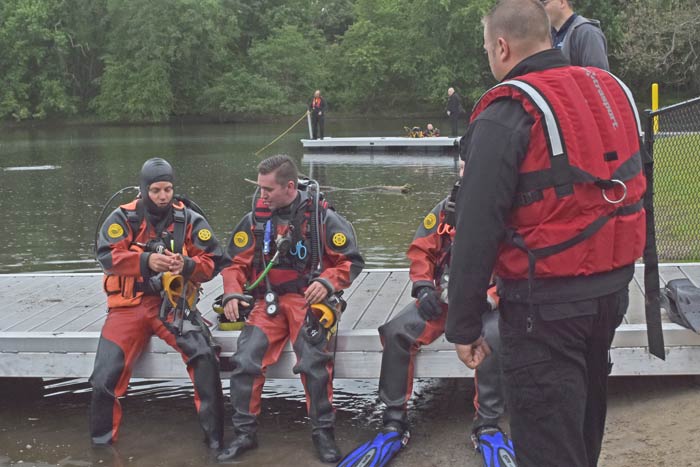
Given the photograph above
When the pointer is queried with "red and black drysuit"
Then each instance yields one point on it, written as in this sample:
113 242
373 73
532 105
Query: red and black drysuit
403 336
543 151
133 314
264 336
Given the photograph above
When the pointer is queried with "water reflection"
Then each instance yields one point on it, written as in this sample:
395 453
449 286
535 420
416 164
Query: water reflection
49 216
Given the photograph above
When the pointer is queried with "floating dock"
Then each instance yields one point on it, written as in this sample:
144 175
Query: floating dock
382 143
340 158
50 325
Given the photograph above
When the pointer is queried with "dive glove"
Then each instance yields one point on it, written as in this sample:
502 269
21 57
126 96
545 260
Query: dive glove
428 303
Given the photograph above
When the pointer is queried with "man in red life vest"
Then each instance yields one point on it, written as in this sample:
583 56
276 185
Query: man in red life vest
139 243
312 254
552 201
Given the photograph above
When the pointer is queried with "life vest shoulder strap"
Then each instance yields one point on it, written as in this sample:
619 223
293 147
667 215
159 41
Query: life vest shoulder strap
135 212
180 227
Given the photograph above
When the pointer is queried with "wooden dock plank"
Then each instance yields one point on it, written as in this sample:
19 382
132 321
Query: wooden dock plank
44 293
18 286
669 273
64 306
692 272
362 298
384 302
347 293
93 303
635 311
62 343
404 300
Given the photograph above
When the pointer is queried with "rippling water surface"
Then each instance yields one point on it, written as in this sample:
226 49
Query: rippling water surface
55 183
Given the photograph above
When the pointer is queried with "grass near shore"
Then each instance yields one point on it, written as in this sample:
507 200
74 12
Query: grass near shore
677 197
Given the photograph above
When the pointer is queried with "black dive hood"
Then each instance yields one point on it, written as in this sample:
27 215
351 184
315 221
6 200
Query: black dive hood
155 170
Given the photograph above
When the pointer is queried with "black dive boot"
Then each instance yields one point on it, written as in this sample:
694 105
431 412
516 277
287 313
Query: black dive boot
324 442
241 443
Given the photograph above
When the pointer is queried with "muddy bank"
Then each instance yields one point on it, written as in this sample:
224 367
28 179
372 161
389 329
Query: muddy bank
653 421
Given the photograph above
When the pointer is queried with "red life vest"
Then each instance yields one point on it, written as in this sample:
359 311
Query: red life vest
579 202
127 291
292 272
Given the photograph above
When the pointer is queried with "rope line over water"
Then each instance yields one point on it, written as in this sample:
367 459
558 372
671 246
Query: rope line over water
283 133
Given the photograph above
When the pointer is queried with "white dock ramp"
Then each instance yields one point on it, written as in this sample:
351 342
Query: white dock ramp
382 142
50 324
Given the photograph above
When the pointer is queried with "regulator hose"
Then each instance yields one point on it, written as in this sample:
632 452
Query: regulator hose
102 213
317 247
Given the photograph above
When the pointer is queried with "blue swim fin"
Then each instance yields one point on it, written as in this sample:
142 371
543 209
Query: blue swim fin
496 448
376 452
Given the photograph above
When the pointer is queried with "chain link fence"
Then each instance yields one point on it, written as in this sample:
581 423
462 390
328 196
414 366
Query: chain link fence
674 141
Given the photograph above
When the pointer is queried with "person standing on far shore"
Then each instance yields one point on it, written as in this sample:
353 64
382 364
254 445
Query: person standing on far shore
454 110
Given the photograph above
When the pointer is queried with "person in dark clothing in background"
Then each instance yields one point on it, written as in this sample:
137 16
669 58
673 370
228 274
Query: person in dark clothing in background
552 201
580 39
454 110
317 108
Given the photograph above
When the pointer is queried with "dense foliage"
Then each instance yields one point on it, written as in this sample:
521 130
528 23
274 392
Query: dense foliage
136 61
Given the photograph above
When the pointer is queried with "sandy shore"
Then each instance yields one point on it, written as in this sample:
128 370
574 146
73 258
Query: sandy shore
652 422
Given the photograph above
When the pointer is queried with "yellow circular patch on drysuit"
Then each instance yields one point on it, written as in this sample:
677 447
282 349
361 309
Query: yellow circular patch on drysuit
429 221
115 231
204 235
240 239
339 239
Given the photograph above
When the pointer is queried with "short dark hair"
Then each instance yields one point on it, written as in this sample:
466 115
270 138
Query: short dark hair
518 20
284 167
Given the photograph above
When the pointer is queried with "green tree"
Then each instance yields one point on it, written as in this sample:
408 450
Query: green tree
84 23
32 60
162 55
241 92
403 53
660 44
294 61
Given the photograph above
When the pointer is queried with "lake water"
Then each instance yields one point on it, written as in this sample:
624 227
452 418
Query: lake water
55 182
